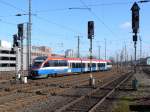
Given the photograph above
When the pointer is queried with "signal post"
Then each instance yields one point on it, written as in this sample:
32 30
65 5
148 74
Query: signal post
90 37
135 27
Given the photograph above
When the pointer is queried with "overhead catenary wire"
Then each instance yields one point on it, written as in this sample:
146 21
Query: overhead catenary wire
38 17
11 5
59 25
81 7
9 23
100 20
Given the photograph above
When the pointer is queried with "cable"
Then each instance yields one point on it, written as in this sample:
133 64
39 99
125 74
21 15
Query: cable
80 7
59 25
110 4
4 16
51 10
54 34
9 23
10 5
106 26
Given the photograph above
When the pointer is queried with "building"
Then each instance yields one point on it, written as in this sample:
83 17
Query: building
8 56
69 53
40 51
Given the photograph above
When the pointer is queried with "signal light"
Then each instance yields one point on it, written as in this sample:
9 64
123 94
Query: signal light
134 37
15 41
135 17
20 30
90 29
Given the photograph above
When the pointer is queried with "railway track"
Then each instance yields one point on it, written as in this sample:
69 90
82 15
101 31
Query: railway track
91 102
34 85
14 100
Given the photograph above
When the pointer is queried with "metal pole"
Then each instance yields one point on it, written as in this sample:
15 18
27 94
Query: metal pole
78 46
140 52
135 57
117 62
29 37
99 50
17 62
140 48
105 49
28 48
125 56
91 55
21 56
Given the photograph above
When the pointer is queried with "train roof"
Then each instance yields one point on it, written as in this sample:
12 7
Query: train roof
76 59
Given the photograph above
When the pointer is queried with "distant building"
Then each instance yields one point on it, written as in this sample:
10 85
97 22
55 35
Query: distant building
41 51
69 53
8 56
57 55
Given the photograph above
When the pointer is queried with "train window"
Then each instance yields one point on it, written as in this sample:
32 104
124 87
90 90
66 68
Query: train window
73 65
78 65
37 64
93 64
62 63
53 63
83 65
65 63
101 64
89 65
56 63
108 63
46 64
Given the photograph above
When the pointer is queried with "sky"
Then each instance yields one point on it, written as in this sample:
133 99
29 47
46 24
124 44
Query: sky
57 26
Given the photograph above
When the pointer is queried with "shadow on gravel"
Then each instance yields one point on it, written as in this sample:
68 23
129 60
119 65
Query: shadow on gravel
128 98
127 89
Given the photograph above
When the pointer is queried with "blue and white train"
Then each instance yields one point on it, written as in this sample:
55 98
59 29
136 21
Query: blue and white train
50 66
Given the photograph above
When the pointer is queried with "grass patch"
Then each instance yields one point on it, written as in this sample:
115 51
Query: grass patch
123 105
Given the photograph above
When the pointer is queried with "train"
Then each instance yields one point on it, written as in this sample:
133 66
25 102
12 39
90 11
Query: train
145 64
44 66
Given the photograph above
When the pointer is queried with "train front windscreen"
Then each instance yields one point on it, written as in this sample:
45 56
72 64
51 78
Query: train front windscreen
38 61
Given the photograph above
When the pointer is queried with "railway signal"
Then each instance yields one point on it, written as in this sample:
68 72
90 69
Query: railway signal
90 29
20 37
135 27
135 17
15 41
20 30
91 36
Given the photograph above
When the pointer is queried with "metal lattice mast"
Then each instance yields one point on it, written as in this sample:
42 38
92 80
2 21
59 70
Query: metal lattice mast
29 39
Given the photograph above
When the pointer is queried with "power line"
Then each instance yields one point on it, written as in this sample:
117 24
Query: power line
100 20
80 7
9 23
51 10
110 4
59 25
11 5
4 16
